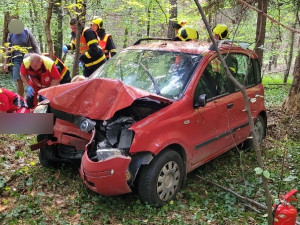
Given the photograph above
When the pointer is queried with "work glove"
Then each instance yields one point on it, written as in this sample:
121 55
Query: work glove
30 91
81 64
65 49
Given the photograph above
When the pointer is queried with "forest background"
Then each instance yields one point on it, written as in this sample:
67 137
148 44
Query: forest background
30 194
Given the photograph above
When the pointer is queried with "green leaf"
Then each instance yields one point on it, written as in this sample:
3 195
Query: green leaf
258 170
266 174
289 178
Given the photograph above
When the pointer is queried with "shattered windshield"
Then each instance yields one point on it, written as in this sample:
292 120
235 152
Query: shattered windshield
163 73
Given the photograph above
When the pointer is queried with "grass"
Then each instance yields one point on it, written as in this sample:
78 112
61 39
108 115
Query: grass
31 194
274 91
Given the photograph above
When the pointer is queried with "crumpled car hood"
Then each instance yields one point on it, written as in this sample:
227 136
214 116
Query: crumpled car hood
95 98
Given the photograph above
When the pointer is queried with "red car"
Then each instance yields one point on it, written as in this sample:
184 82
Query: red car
151 114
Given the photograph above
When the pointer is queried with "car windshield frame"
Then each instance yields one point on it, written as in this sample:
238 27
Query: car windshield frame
164 73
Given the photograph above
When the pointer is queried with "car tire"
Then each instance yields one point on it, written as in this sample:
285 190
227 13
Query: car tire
47 153
260 127
161 179
45 156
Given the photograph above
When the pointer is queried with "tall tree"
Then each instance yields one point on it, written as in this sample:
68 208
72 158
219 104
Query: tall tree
58 41
173 18
81 12
290 56
39 30
292 103
5 27
261 29
47 28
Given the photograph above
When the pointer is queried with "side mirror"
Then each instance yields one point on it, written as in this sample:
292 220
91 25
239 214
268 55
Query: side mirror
201 101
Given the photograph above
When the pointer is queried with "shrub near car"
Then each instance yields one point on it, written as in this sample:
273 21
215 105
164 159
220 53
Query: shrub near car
151 114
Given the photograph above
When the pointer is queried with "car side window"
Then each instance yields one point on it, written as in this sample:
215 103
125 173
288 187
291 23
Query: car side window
256 69
242 68
213 81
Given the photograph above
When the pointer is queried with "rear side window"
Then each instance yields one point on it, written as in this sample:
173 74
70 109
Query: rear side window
214 82
245 69
256 69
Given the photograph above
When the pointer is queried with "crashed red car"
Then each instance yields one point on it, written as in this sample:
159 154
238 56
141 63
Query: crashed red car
151 114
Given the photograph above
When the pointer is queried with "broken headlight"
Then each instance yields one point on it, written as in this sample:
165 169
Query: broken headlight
41 109
86 125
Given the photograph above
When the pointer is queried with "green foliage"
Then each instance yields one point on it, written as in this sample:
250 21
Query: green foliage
274 90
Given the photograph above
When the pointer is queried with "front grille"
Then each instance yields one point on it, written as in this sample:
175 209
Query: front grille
64 116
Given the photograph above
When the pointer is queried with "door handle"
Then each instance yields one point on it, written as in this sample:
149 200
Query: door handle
230 105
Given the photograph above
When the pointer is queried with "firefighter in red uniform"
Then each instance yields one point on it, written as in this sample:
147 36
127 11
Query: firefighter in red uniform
11 102
92 55
106 41
38 72
62 69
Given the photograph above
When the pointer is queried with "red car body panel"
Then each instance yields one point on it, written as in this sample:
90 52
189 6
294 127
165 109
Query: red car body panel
69 134
85 99
107 177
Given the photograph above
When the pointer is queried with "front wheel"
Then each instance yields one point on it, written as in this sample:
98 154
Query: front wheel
47 153
46 157
160 180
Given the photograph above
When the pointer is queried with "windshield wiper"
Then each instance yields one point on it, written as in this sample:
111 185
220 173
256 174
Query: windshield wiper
151 77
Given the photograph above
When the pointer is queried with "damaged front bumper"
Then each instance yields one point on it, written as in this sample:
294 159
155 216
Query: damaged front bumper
109 175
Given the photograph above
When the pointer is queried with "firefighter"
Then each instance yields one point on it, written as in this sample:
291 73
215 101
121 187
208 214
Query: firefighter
184 33
62 69
11 102
106 41
38 72
220 32
92 55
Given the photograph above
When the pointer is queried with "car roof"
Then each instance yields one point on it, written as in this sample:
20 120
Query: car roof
194 47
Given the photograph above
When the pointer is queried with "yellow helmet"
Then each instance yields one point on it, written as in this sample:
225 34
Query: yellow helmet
221 30
97 20
186 34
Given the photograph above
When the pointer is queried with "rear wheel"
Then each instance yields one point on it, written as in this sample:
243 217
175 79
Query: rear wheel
260 127
160 180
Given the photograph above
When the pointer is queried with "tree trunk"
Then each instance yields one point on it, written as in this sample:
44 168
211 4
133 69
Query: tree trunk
48 28
5 27
292 103
271 57
125 43
173 17
149 19
290 57
31 20
250 119
39 31
80 25
58 42
261 30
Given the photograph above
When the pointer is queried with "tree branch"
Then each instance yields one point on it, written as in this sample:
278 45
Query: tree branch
259 205
245 199
162 11
269 17
247 107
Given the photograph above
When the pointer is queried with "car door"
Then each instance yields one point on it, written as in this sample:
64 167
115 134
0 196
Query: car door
243 69
211 123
